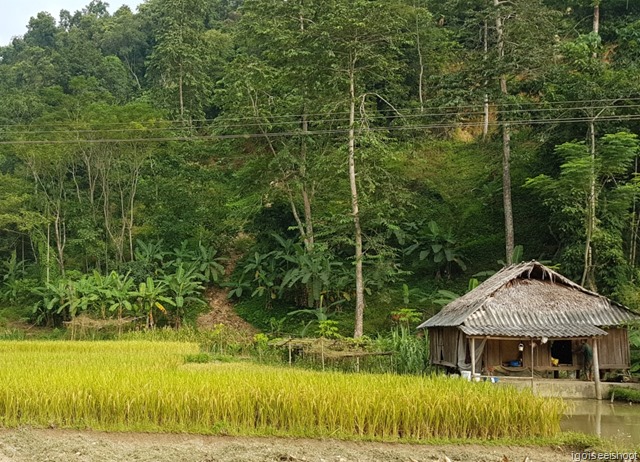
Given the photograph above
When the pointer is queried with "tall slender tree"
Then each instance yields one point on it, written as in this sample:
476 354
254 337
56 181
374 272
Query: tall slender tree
362 48
178 61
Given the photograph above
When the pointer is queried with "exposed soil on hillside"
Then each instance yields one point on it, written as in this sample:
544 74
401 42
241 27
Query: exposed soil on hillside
222 312
30 445
221 309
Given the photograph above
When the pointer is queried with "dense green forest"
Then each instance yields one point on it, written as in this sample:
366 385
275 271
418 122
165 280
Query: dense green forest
356 156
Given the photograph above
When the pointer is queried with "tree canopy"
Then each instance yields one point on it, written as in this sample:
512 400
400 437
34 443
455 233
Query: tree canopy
338 153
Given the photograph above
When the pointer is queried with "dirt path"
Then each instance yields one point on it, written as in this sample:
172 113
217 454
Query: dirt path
31 445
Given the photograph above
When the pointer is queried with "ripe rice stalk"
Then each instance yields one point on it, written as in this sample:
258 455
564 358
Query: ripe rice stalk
147 386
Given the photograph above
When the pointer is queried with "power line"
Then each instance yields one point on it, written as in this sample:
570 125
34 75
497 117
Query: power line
409 112
320 121
514 122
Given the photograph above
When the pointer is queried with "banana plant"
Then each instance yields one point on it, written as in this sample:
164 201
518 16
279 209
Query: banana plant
13 274
149 296
208 264
263 268
239 287
81 295
438 246
314 271
119 294
185 287
51 297
151 252
180 256
321 313
12 269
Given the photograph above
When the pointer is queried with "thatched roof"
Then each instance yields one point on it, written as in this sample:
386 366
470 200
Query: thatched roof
531 300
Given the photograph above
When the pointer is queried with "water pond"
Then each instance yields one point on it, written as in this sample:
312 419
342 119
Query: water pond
617 421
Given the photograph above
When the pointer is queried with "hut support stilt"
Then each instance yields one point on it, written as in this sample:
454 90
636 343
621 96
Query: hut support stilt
531 364
473 358
596 369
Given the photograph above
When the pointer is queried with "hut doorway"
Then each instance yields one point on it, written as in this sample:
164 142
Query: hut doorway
562 351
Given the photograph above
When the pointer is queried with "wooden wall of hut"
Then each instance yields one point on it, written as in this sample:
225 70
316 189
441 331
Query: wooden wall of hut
498 352
613 349
443 345
501 352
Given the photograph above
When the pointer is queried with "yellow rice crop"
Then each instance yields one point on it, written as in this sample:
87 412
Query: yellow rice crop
145 386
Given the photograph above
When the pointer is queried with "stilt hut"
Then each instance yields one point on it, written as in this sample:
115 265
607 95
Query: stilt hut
528 317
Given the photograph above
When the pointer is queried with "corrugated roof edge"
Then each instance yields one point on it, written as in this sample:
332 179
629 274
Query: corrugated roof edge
456 312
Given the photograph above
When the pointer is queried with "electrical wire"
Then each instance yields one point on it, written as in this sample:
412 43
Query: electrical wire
469 124
408 112
512 113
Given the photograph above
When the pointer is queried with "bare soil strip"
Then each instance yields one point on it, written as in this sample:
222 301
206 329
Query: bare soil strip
34 445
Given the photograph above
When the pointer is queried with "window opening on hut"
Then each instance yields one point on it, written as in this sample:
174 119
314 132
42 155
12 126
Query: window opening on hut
562 351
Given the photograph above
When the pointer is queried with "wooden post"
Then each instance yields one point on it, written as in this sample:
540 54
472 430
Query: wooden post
473 359
596 369
599 419
532 364
290 355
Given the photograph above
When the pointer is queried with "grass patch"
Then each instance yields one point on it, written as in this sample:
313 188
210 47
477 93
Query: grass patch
221 340
144 386
197 358
12 334
9 314
626 394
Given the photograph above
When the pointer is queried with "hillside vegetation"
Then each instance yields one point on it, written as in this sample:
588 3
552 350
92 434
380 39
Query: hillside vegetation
342 160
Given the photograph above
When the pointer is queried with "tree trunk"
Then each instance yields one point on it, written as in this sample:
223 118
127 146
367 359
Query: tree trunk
180 93
130 67
132 203
48 249
420 62
506 153
588 276
359 321
506 193
596 21
633 237
310 241
304 186
59 229
123 223
485 124
306 197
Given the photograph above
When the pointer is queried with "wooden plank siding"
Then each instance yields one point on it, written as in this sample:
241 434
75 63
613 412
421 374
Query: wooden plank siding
443 345
613 350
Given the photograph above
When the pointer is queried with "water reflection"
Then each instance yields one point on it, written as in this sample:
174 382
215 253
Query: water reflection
616 421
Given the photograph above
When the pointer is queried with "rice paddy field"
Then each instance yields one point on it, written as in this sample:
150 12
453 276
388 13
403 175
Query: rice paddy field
147 386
